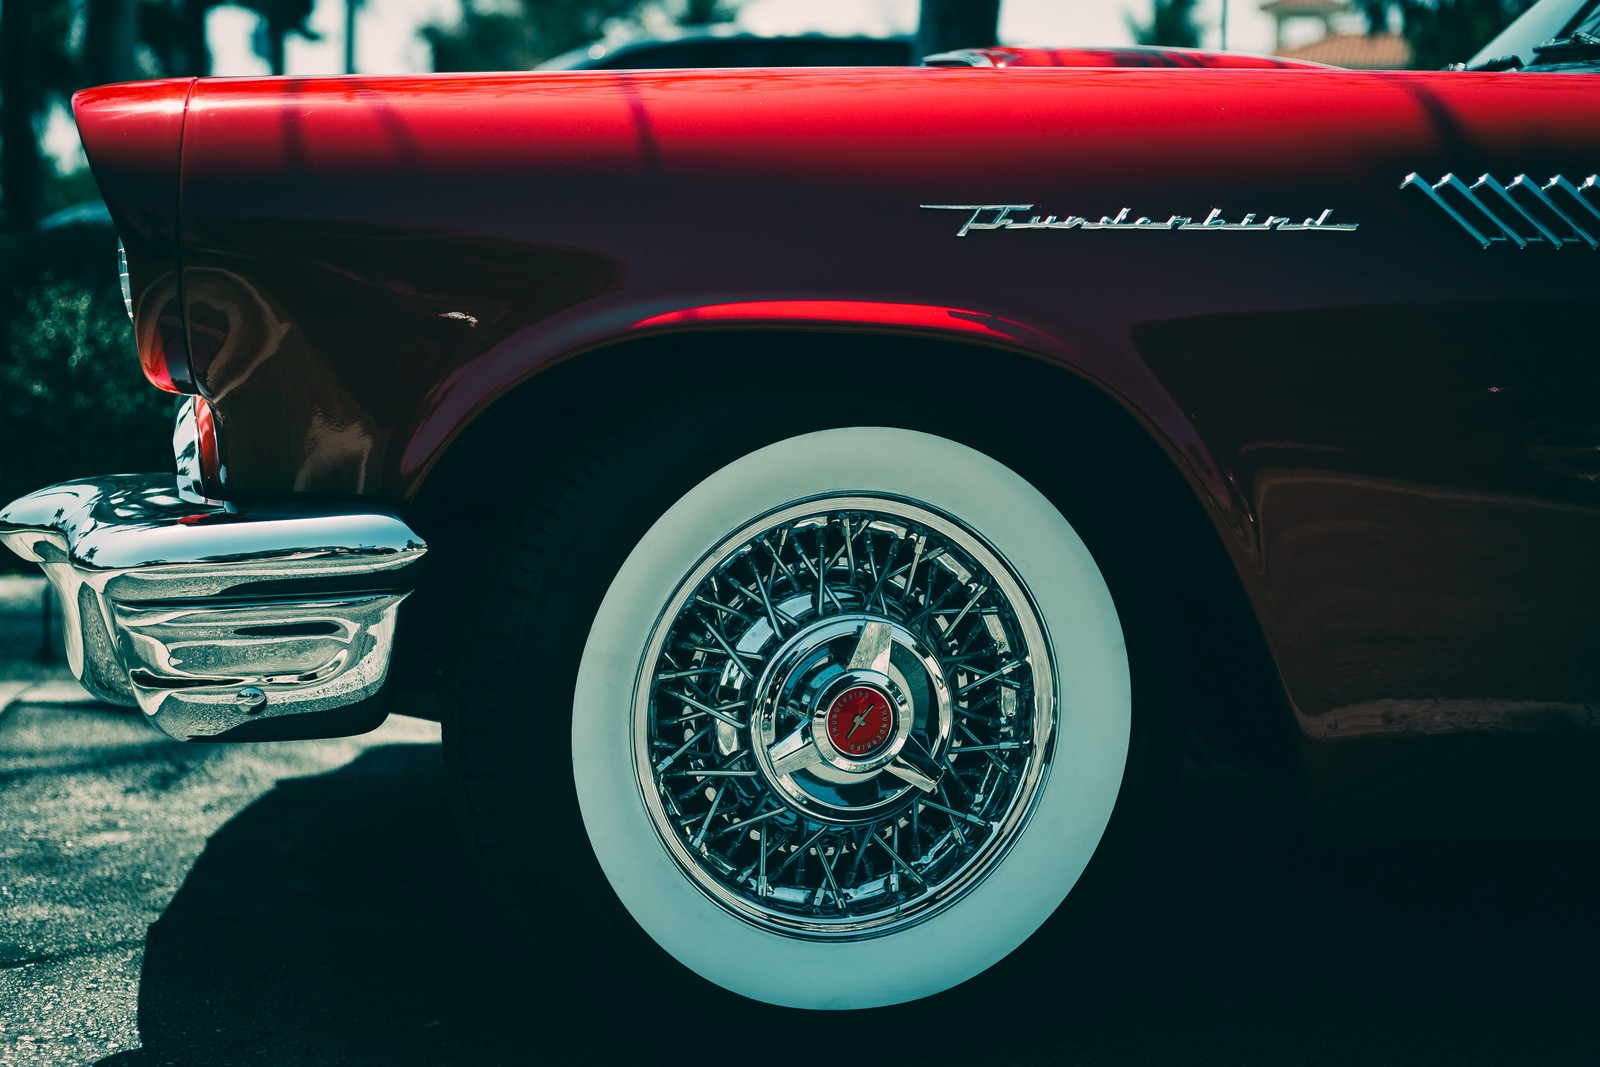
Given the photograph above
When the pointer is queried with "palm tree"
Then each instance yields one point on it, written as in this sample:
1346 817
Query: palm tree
1443 31
1171 25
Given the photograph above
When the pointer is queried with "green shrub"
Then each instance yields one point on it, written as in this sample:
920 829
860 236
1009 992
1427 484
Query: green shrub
73 401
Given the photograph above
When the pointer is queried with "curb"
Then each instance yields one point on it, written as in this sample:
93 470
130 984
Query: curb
51 690
9 691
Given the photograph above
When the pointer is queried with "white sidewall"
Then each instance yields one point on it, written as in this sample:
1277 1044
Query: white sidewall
1075 803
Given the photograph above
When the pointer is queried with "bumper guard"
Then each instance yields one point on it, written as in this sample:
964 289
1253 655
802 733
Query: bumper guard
221 625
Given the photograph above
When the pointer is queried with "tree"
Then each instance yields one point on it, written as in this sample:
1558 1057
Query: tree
1441 32
43 60
946 25
175 33
35 68
520 35
110 40
706 12
21 173
1171 25
280 18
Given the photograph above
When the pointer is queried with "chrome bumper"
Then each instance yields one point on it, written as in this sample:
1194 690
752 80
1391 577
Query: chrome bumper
264 624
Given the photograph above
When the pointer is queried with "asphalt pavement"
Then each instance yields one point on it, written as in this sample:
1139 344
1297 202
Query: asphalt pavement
309 903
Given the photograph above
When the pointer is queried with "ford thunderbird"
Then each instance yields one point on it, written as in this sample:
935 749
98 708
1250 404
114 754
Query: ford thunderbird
823 506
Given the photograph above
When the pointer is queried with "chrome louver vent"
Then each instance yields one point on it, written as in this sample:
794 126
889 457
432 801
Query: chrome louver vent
1521 212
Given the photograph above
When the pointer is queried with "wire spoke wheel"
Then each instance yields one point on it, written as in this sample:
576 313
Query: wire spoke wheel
851 718
847 716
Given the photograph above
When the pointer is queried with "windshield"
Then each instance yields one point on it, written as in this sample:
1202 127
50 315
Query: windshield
1546 21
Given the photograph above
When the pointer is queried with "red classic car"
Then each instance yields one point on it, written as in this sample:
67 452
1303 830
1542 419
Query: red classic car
846 493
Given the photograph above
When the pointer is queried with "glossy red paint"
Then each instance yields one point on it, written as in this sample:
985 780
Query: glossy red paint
1374 419
133 135
860 314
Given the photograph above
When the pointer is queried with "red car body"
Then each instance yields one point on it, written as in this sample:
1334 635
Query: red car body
1391 429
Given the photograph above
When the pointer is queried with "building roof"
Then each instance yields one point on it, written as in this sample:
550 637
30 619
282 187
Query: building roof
1358 51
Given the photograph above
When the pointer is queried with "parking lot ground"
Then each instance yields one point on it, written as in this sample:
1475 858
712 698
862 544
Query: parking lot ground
101 821
308 903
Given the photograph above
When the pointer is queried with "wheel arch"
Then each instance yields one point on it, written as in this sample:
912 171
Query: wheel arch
1233 702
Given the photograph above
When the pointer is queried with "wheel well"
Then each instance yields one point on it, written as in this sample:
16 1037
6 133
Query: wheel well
1064 434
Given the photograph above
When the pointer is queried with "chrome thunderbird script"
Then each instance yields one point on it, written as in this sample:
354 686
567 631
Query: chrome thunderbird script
1521 212
1000 217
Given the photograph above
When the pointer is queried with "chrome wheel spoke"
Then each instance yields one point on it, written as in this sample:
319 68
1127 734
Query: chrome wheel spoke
841 715
873 648
916 766
795 752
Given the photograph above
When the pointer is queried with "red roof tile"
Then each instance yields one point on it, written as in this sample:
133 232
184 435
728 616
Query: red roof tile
1358 51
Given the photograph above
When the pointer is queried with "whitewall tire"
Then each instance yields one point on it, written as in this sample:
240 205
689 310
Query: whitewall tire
855 815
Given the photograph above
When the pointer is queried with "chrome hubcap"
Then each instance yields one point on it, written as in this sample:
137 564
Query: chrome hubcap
835 712
844 717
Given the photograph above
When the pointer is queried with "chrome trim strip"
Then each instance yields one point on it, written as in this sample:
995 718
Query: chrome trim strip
212 619
961 57
1487 181
1576 192
1449 181
1529 189
122 279
1510 209
186 453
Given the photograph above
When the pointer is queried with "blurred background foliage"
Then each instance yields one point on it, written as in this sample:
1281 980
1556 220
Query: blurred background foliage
1441 32
72 399
1436 32
1172 25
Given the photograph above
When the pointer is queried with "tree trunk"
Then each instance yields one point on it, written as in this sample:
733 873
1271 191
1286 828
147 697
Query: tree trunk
110 35
351 9
21 166
949 24
275 47
192 37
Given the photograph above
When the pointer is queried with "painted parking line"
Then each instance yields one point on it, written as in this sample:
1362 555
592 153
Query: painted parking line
56 691
51 690
10 692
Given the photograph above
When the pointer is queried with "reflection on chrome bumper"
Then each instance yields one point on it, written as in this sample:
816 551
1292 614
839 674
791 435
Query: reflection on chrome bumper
231 625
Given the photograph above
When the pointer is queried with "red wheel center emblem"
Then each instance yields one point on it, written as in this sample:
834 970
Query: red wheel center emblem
860 721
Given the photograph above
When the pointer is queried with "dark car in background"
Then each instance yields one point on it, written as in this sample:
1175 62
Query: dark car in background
729 48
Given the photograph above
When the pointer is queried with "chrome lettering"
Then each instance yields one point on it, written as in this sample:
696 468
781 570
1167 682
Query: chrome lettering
1000 217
